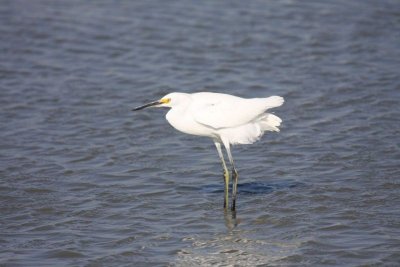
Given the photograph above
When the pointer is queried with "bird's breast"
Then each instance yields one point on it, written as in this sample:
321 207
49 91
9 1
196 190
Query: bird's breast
184 122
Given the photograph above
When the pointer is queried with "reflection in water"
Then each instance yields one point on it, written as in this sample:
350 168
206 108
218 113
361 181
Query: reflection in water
230 219
237 246
254 187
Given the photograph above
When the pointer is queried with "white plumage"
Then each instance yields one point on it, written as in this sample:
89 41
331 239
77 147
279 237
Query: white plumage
227 119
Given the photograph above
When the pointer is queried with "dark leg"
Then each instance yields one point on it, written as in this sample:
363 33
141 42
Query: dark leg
226 174
235 176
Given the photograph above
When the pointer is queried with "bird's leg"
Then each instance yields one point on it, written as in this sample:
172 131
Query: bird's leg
226 173
235 176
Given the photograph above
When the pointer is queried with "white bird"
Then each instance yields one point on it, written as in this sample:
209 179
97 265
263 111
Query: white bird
227 119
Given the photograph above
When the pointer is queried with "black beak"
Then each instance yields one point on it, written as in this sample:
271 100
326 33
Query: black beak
155 103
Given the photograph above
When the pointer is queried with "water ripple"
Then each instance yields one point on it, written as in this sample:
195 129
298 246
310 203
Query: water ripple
84 181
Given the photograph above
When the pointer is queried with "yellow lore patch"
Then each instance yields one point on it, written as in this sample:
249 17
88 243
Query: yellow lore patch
165 100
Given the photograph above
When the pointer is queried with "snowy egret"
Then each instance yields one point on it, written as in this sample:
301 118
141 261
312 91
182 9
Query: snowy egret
227 119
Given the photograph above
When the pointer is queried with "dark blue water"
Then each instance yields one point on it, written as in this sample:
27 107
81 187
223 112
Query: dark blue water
86 182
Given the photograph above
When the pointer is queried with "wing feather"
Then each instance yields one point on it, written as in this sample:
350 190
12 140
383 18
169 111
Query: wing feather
225 111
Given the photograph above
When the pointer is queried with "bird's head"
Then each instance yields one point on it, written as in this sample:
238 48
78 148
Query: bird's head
170 100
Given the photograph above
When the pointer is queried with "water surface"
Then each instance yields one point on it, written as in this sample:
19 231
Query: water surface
86 182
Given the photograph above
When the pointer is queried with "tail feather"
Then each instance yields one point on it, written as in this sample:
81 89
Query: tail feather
252 131
274 101
270 122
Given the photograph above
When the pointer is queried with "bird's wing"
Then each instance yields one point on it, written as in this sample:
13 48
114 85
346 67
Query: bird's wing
224 111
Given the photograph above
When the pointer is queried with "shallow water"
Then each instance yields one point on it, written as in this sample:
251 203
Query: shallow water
86 182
